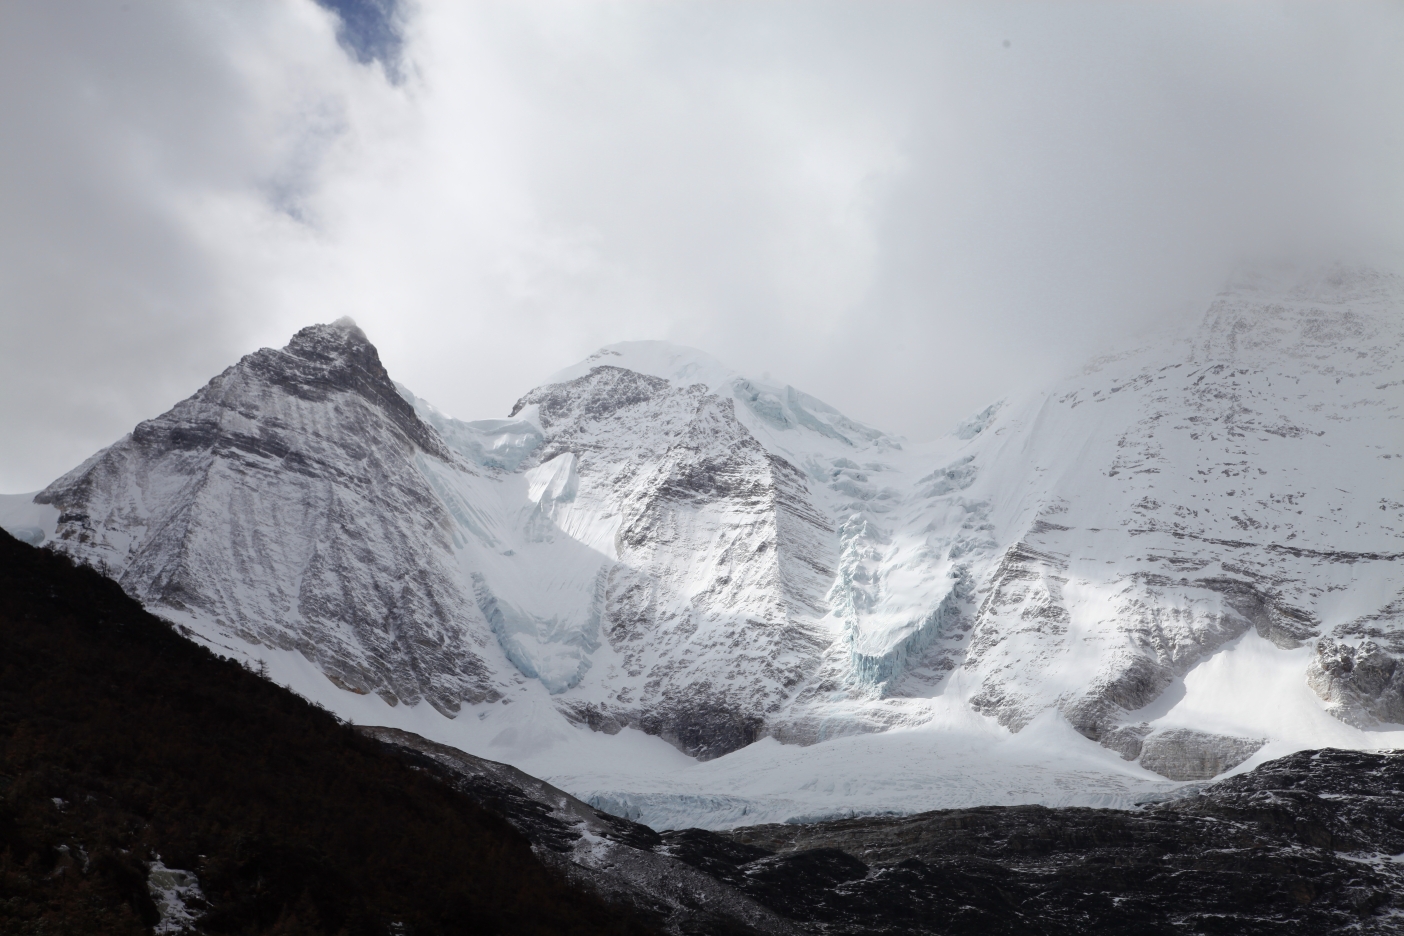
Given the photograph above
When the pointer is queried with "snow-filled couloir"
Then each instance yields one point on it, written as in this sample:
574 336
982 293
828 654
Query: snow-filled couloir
1176 563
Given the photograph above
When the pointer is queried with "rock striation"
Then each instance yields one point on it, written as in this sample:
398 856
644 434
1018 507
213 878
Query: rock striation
284 504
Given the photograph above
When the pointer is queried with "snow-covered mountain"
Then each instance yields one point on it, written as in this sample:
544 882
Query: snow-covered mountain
1188 555
1126 526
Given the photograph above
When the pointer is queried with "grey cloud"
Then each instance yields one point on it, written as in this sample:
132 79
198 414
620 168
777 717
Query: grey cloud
141 148
884 204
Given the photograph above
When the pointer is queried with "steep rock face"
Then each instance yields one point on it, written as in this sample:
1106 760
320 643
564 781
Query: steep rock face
711 602
282 502
1363 684
1183 754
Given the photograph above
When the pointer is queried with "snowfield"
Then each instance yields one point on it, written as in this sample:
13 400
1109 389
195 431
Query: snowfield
693 598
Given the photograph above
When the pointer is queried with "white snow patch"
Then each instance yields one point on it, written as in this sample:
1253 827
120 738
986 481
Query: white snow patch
1255 689
173 892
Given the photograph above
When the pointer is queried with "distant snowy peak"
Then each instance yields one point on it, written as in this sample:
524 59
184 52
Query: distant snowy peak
676 364
1141 516
767 408
1310 324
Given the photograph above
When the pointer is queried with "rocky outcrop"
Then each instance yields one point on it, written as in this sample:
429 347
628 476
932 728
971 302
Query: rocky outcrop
1302 845
1363 685
1184 754
621 861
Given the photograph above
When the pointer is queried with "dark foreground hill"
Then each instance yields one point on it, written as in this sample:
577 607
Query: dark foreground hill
125 748
146 784
1309 844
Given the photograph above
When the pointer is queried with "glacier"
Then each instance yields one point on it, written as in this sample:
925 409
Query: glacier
697 598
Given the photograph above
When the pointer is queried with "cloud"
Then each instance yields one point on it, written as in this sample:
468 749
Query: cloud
154 158
905 209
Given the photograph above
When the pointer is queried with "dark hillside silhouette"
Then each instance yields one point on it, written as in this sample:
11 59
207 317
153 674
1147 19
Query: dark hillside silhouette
122 743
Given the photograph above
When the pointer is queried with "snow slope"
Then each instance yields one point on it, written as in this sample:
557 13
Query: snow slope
697 598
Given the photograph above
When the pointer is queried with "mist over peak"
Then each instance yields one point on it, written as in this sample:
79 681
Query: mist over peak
909 212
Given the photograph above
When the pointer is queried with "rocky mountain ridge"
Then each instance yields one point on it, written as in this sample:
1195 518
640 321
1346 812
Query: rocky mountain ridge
653 542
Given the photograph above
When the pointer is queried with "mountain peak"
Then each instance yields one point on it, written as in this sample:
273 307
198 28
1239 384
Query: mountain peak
341 357
677 364
341 340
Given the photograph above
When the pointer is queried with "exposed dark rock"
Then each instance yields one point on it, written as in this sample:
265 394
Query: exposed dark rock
1135 684
621 861
1126 740
1307 844
718 855
1273 619
1300 845
702 728
1184 754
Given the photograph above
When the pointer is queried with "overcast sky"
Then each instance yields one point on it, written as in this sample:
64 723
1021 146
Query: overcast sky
908 210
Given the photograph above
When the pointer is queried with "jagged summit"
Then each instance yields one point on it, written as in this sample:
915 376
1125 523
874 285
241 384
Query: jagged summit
341 342
768 409
268 504
321 359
